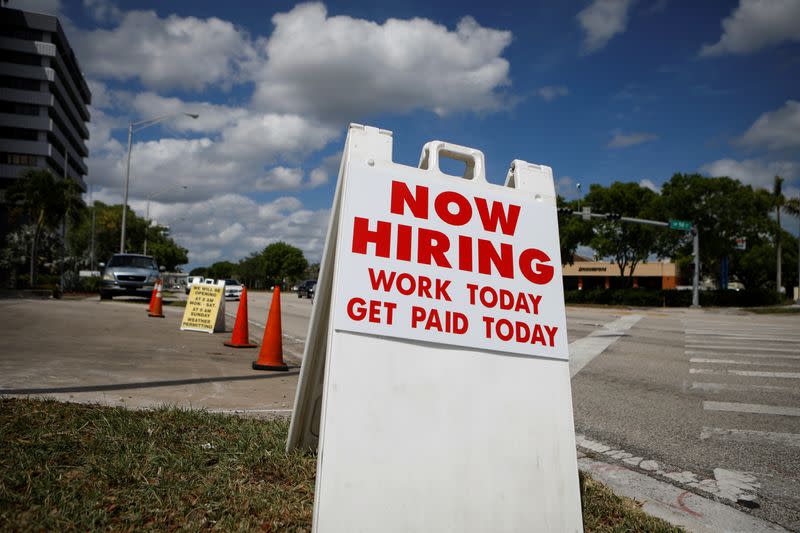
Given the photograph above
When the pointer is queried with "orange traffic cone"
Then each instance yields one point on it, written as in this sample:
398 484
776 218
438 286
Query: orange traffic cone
241 330
271 355
157 310
153 298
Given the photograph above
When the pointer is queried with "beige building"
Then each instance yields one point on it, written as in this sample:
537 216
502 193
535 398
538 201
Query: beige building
583 274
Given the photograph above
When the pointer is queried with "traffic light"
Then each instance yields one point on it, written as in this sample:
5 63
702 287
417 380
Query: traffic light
613 216
564 210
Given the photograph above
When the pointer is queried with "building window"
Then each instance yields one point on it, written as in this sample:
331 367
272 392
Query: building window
25 160
19 134
21 58
17 32
25 84
16 108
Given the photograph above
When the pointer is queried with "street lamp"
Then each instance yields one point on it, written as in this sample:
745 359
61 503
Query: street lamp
141 125
147 211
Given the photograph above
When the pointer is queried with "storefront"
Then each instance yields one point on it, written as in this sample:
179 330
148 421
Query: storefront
597 274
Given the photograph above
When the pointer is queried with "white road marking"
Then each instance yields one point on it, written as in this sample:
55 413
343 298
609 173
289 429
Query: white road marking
747 373
582 351
734 362
743 354
695 346
718 387
750 435
742 336
751 408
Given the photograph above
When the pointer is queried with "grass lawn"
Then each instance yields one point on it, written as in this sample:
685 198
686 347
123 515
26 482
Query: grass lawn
73 467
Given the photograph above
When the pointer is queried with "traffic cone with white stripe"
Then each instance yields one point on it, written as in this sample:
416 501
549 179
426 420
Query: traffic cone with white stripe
271 355
157 311
153 298
241 329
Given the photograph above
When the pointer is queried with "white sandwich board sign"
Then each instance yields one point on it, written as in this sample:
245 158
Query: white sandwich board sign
435 381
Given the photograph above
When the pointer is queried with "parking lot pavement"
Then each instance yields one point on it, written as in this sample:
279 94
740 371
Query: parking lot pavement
113 353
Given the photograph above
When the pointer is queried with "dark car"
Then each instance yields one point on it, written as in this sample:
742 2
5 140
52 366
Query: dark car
128 274
307 288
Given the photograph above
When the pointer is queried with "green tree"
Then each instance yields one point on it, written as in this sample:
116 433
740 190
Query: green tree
108 218
250 271
45 202
572 230
199 271
221 270
722 209
282 262
626 243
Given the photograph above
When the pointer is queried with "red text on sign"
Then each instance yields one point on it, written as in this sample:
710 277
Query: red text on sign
504 299
435 247
406 284
521 332
373 311
454 208
442 321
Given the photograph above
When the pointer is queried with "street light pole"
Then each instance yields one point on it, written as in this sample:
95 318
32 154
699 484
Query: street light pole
144 124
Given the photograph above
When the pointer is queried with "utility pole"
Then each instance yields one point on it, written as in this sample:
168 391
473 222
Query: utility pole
776 191
696 276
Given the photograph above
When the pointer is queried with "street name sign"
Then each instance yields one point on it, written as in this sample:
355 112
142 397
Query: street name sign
205 308
435 381
684 225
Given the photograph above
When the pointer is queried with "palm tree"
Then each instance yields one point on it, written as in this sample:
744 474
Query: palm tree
45 202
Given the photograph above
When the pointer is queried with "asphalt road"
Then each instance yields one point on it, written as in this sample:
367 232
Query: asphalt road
706 400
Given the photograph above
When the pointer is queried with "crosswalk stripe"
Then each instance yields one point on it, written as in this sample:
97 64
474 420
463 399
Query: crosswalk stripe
734 362
735 336
753 408
747 373
741 387
695 346
743 354
745 435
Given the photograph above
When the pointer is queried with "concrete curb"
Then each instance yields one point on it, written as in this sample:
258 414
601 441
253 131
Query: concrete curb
673 504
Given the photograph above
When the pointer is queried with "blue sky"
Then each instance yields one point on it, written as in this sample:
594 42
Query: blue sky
599 90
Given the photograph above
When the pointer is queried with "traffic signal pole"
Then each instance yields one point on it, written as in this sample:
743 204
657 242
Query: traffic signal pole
680 225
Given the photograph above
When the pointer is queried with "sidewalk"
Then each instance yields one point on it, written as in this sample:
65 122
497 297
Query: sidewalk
112 353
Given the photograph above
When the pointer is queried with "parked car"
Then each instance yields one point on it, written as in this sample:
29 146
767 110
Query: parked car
307 288
128 274
191 280
233 289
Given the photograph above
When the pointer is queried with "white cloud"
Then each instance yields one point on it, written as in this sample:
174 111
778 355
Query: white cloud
623 140
548 93
280 179
757 24
103 10
171 52
602 20
648 183
342 68
755 172
776 129
232 226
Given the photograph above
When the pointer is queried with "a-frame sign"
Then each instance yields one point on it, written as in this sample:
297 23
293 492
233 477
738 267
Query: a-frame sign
435 382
